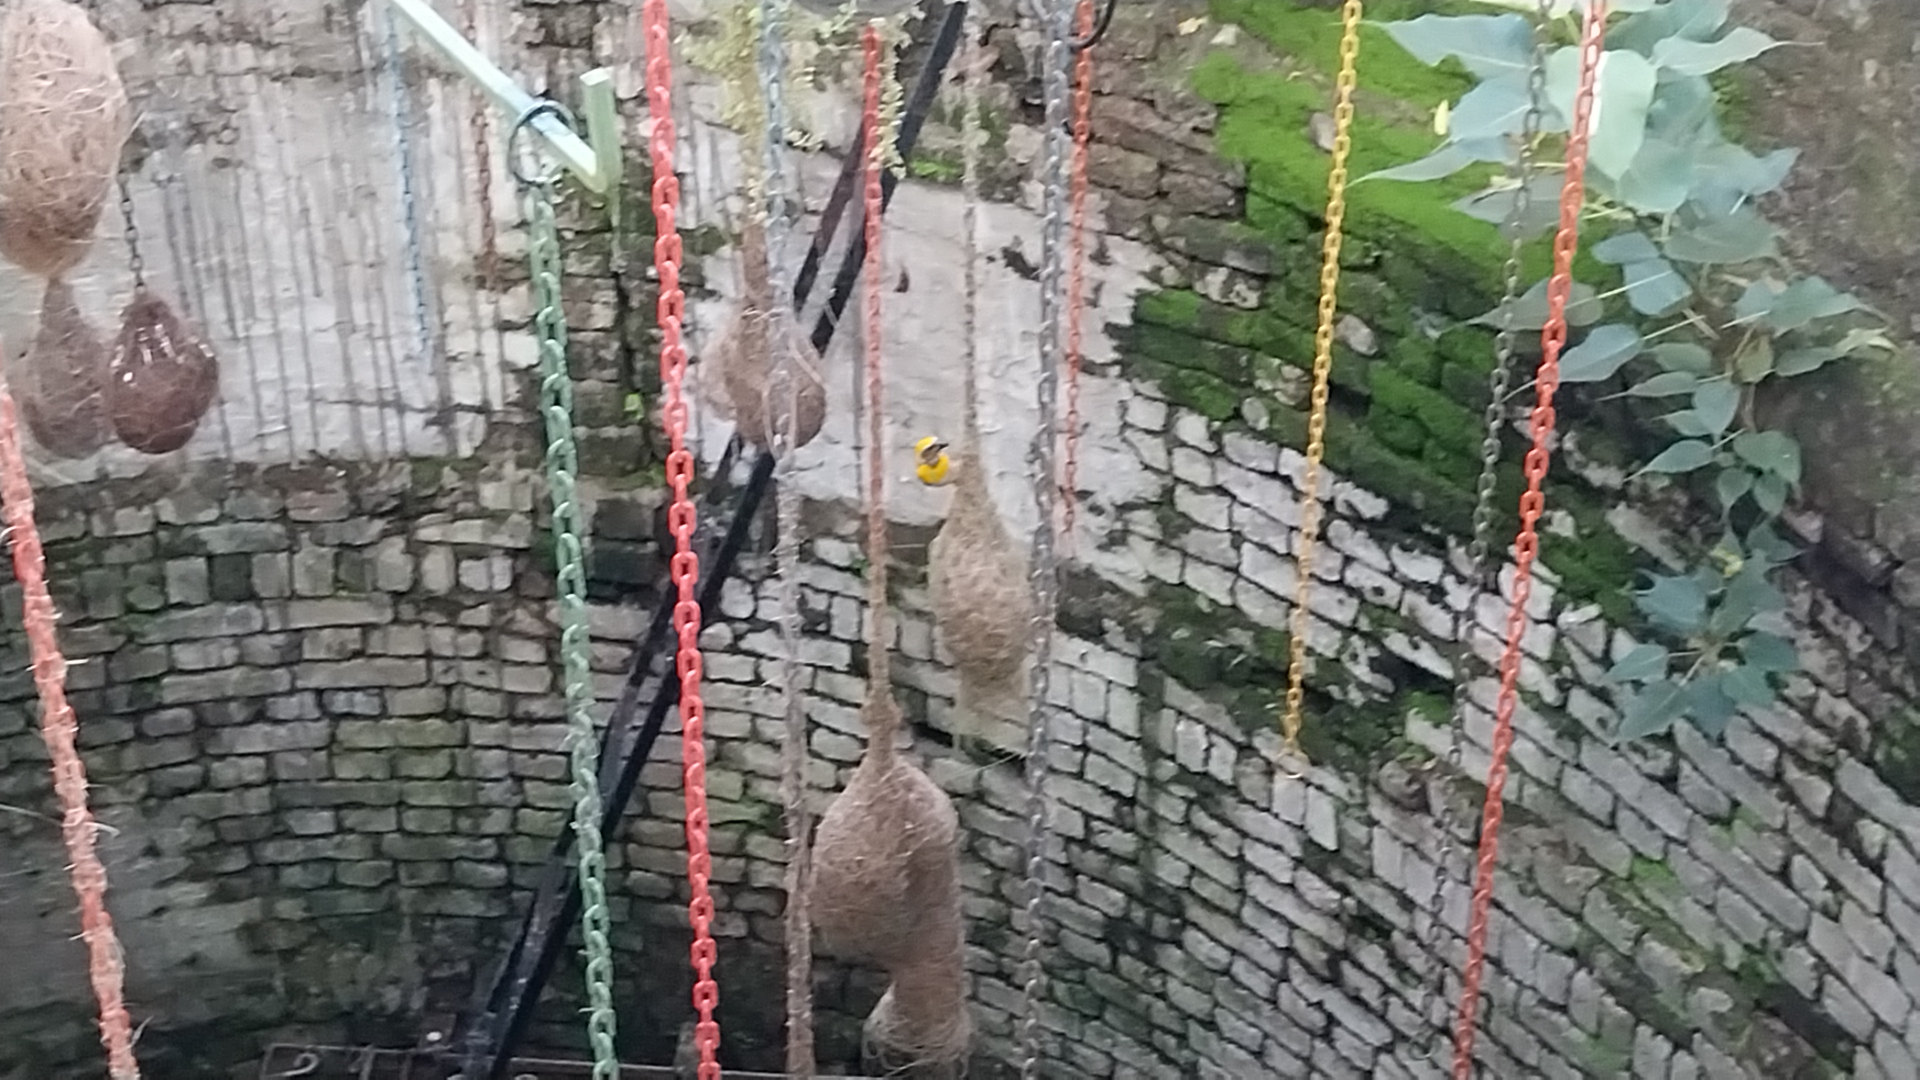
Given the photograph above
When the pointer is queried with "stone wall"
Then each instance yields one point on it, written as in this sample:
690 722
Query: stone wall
322 715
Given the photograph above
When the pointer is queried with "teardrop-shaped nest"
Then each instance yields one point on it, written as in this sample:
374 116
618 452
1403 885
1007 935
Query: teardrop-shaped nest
881 859
61 134
979 590
748 358
162 380
61 385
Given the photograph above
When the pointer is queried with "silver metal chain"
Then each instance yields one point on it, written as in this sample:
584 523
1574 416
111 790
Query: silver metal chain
776 170
972 76
1480 567
409 202
1041 462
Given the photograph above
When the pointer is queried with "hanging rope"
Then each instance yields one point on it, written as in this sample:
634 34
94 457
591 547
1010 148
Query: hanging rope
879 628
971 133
685 565
1526 545
1085 31
1042 466
576 647
1322 366
1480 567
793 751
59 730
480 126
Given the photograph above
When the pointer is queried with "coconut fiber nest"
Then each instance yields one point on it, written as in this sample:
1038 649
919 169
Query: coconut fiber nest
982 601
161 380
765 364
65 123
61 383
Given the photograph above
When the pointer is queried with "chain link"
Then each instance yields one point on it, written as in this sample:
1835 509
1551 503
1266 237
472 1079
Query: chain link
1322 368
684 566
423 329
772 70
1526 546
1042 465
480 129
562 462
1480 575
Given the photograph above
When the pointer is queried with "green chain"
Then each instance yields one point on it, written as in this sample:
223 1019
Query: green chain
556 403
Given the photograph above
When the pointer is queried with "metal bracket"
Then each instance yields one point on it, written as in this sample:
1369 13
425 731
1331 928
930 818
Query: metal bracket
595 161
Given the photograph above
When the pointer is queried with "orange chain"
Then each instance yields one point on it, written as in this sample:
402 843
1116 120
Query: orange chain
685 565
59 730
1077 259
1526 546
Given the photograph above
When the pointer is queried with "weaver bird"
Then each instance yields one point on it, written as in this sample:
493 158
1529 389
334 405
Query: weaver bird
931 461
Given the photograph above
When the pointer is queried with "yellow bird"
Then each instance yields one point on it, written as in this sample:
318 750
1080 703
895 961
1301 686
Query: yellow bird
933 464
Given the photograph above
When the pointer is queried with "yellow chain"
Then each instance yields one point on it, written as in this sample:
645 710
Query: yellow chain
1322 365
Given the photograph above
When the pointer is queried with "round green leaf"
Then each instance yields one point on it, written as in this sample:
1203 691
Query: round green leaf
1529 311
1807 300
1682 456
1651 711
1770 652
1770 494
1736 238
1626 247
1450 158
1801 361
1660 178
1666 384
1641 663
1688 423
1605 351
1683 356
1624 93
1679 603
1654 287
1771 452
1709 707
1716 401
1741 44
1488 45
1494 108
1732 485
1747 686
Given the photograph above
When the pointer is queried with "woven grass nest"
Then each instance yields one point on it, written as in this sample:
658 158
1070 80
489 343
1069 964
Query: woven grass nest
161 379
61 384
65 123
756 392
982 601
886 890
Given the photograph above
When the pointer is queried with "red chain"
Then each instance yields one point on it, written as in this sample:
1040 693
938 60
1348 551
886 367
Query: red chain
1077 259
874 198
59 730
685 565
1527 545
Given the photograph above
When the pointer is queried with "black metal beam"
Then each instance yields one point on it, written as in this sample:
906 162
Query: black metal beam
501 1018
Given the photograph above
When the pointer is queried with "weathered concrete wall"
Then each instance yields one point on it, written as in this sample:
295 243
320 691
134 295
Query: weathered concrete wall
321 704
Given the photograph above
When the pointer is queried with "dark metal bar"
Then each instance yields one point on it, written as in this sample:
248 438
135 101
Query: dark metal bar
500 1024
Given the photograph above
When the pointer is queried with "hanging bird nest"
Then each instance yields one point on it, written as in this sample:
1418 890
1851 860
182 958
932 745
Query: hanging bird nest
922 1026
61 383
758 395
750 356
65 123
879 849
161 380
981 598
886 890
